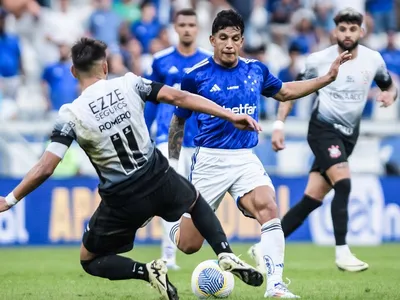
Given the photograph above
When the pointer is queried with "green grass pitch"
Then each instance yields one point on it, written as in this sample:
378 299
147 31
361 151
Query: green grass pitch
55 273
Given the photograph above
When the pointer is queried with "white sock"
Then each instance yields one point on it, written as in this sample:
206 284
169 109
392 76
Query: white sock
342 250
168 247
273 251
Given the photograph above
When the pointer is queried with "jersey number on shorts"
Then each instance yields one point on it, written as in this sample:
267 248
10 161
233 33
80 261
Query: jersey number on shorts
123 155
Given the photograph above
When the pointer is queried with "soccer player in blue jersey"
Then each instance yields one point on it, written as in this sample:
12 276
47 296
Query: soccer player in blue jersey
224 160
168 67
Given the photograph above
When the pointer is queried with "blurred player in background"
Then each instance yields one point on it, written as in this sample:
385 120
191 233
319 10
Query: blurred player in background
224 160
168 67
334 129
136 182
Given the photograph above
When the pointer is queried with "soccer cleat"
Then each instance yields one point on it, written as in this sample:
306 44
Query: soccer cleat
231 263
158 279
280 290
255 254
351 263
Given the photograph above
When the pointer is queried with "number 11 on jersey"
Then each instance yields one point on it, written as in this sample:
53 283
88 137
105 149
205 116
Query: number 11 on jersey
130 160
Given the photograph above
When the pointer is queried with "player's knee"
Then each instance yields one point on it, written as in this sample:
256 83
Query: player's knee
265 209
343 187
189 247
86 266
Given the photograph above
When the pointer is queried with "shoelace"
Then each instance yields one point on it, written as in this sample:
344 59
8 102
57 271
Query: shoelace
284 286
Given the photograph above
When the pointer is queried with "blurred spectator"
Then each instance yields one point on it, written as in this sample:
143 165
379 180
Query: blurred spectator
383 13
59 86
104 24
135 51
63 23
324 11
290 72
148 27
391 54
305 35
116 67
282 10
127 10
19 7
258 52
11 67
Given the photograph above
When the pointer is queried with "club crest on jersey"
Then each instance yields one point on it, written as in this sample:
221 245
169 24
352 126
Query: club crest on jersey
365 76
334 151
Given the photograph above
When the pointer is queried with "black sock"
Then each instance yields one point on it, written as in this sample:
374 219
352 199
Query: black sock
115 267
209 226
339 212
298 213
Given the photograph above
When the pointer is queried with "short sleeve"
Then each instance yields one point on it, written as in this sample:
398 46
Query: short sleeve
382 76
310 69
154 73
64 128
145 88
271 84
188 84
46 74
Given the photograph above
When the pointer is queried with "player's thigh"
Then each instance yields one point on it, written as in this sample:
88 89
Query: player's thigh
185 161
330 156
113 229
253 191
317 186
212 177
174 197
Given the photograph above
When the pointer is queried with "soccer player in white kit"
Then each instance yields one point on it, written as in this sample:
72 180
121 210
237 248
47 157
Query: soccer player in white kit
136 182
224 160
334 129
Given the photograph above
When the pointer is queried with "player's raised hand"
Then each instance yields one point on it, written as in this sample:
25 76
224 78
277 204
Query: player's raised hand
341 59
386 98
245 122
278 140
3 205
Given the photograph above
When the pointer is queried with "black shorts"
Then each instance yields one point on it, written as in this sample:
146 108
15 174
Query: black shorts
112 229
330 147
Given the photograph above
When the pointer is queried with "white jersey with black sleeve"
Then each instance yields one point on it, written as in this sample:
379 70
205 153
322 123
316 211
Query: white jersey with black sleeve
342 102
107 122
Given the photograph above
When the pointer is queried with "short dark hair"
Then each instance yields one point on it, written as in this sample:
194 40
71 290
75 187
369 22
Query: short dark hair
145 3
185 12
86 52
348 15
227 18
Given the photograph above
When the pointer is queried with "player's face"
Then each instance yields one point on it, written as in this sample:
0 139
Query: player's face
186 27
227 44
348 35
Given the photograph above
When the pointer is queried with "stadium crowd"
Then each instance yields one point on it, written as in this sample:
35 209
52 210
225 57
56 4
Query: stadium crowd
35 37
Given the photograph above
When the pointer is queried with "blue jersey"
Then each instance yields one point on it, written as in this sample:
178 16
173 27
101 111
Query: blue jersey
238 89
168 67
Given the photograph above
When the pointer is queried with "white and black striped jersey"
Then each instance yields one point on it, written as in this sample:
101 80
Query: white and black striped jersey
107 122
342 102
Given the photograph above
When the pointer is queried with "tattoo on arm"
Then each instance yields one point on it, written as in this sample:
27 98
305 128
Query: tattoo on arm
175 136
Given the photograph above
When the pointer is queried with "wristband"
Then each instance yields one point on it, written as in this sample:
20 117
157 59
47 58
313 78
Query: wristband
11 200
278 125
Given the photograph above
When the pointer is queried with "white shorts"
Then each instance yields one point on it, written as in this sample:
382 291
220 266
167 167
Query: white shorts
185 161
183 166
217 171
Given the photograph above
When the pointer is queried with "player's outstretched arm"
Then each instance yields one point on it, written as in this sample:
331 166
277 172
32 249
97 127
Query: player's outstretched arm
175 136
33 179
298 89
200 104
